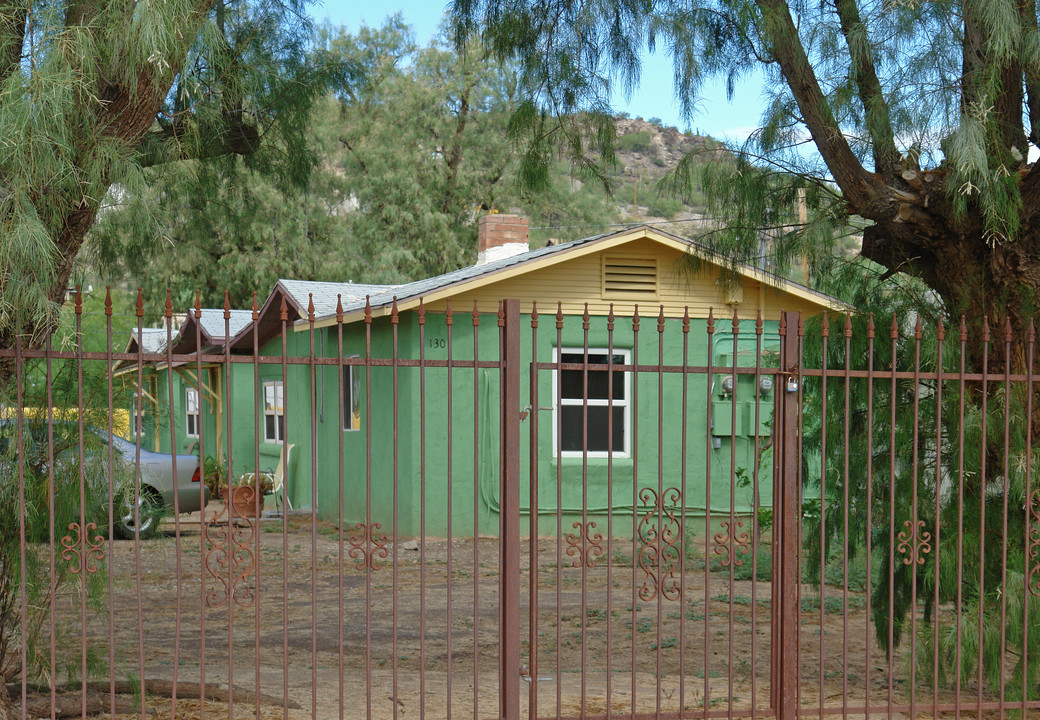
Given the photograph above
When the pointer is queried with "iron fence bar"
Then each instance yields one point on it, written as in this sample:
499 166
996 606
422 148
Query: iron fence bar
533 550
824 337
634 445
231 515
1030 350
395 321
963 337
23 603
755 505
254 316
283 318
476 506
799 485
660 495
914 509
314 400
683 490
49 381
610 503
940 336
203 523
559 509
894 337
784 653
168 317
733 536
845 520
982 506
584 534
421 321
1004 533
137 504
710 380
449 324
509 518
869 547
370 530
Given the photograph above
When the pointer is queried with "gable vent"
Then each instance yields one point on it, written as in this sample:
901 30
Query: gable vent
629 277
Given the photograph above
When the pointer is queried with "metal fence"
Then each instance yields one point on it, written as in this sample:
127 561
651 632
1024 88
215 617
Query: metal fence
515 513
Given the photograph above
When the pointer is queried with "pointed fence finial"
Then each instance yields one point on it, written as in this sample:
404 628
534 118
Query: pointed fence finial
501 314
825 326
870 326
168 307
254 309
108 301
449 318
140 304
782 327
198 305
894 330
917 328
394 315
686 320
422 312
79 300
368 309
585 318
940 331
985 328
227 306
848 325
534 314
963 330
711 320
758 322
283 311
339 309
610 318
1007 329
1031 332
660 321
476 313
559 316
310 308
635 318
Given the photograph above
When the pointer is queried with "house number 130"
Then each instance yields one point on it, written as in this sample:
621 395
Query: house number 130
437 342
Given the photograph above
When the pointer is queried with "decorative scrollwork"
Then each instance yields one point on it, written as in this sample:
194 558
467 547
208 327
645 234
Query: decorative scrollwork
584 544
229 559
367 546
730 542
660 553
1033 580
914 542
85 550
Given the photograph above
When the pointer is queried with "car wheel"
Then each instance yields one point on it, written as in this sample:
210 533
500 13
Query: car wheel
147 517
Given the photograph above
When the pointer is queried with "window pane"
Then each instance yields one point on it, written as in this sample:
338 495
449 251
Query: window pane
571 382
269 429
571 416
351 400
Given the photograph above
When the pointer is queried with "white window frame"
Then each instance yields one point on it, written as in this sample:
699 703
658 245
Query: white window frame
348 379
191 412
626 451
276 411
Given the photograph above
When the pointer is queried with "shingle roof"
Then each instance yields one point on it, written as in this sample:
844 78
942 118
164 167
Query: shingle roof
150 340
212 322
421 287
325 294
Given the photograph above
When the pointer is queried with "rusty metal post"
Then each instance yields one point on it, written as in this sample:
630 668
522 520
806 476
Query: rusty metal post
785 541
509 518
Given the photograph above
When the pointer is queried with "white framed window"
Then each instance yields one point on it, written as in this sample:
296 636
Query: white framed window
191 412
602 402
351 399
274 411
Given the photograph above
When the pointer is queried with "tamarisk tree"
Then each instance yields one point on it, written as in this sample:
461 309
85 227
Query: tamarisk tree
922 116
92 92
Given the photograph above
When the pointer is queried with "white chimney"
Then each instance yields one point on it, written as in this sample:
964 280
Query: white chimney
501 236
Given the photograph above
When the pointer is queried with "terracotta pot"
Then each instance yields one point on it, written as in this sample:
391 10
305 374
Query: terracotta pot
241 501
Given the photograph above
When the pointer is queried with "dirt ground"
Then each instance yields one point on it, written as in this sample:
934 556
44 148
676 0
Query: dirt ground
300 620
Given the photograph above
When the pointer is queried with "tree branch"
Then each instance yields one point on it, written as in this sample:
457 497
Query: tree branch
864 74
858 186
234 137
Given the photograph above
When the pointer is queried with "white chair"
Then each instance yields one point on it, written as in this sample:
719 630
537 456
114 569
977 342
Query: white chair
278 477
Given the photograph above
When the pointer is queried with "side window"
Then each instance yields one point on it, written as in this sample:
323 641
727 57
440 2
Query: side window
191 412
137 412
274 412
594 399
351 399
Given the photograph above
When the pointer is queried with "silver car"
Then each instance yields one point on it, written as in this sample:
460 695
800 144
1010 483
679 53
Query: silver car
158 486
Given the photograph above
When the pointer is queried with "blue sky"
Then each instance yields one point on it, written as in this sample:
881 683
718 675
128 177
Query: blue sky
716 116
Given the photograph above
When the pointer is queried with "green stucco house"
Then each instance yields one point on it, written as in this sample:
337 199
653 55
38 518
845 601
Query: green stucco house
365 430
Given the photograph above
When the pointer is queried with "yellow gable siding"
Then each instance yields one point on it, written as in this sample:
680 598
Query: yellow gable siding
579 280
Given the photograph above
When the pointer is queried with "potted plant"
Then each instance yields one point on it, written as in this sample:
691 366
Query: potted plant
246 495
